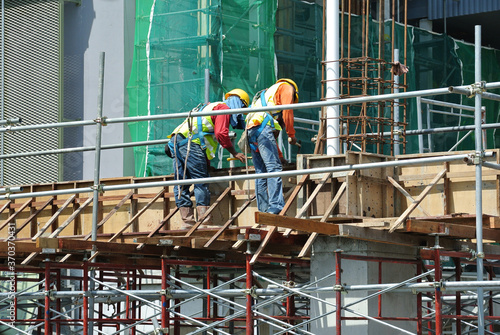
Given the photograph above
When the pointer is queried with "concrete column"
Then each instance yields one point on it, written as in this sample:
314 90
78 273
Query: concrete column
355 272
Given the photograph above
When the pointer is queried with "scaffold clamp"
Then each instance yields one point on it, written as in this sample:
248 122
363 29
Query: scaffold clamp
167 293
251 292
101 120
339 288
98 188
477 88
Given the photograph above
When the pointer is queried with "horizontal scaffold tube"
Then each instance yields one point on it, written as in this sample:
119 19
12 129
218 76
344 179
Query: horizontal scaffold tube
451 286
291 173
317 104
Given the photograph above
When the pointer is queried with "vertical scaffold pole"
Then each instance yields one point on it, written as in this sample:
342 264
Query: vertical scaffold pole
85 304
479 185
58 302
97 165
419 302
338 292
249 283
165 271
290 300
458 302
47 299
437 291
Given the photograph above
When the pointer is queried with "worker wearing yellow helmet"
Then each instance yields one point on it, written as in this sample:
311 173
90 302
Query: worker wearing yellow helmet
262 127
193 144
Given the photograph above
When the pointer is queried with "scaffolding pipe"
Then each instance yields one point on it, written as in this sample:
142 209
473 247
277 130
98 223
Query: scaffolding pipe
447 104
304 105
211 180
117 295
479 183
420 126
96 186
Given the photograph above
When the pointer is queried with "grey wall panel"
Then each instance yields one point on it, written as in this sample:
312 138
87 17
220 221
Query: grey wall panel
32 86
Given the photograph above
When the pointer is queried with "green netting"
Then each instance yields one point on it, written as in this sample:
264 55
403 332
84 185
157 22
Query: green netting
175 43
243 43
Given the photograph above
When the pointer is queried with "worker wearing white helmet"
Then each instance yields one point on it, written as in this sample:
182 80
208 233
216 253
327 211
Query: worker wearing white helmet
193 144
262 128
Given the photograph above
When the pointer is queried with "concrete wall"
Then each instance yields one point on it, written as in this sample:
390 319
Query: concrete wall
92 28
360 272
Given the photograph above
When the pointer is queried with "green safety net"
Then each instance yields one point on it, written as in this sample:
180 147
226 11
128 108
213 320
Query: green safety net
248 44
176 44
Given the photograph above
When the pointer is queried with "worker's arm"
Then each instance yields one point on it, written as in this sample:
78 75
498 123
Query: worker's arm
221 131
285 95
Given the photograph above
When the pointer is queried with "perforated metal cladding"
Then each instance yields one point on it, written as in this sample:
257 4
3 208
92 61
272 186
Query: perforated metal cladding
32 87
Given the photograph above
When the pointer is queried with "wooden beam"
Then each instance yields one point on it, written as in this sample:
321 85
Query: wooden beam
230 221
310 199
13 216
331 207
209 211
160 225
283 212
59 229
405 193
112 212
310 226
38 211
418 200
128 224
54 217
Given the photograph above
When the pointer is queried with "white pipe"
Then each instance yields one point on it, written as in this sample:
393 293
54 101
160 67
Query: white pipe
332 76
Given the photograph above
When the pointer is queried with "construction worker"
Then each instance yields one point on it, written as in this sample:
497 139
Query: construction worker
193 144
263 129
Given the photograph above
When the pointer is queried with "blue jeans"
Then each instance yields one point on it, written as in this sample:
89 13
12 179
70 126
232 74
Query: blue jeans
196 167
269 191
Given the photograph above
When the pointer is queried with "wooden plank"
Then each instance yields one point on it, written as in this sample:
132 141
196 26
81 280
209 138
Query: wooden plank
5 206
71 218
310 226
310 199
38 211
128 224
112 212
419 199
449 229
229 221
54 217
13 216
405 193
283 212
134 218
103 221
209 211
331 207
160 225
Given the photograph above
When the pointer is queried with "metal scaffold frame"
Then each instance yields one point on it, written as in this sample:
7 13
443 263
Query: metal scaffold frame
99 283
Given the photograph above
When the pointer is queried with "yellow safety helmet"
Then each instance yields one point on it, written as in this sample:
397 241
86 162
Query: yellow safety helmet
240 93
291 82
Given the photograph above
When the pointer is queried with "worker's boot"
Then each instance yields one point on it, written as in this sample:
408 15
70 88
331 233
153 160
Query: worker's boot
207 223
187 215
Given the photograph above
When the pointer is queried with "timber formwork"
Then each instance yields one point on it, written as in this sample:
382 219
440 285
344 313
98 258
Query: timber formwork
252 271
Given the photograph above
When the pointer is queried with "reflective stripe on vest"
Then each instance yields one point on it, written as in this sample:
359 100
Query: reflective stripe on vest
208 141
256 119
